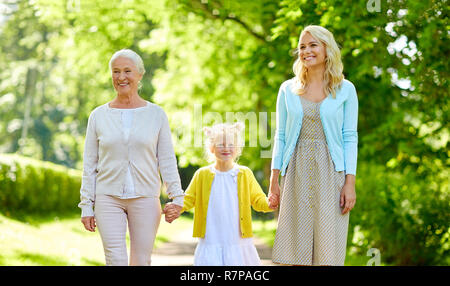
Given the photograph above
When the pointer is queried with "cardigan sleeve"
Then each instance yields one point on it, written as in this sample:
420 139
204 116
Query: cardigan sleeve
258 198
279 140
191 192
167 162
349 131
90 160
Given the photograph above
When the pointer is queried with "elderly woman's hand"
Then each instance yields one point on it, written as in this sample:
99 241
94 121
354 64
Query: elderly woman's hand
172 212
89 223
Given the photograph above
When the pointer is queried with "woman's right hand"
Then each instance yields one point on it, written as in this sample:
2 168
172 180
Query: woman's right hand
89 223
274 189
274 195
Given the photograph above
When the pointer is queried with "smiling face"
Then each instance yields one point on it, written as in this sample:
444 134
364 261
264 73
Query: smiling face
311 51
224 148
125 76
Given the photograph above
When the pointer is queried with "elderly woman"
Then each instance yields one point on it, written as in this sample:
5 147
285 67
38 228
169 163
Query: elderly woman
128 144
315 150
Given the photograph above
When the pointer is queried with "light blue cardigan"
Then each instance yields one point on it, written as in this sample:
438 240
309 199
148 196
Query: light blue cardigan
339 118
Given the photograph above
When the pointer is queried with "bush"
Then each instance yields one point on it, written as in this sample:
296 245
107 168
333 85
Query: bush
405 213
33 186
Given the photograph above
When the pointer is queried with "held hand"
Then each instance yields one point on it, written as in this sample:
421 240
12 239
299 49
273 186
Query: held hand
274 195
171 212
348 198
273 201
89 223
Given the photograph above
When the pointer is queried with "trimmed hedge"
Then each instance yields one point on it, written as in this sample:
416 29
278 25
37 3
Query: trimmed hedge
33 186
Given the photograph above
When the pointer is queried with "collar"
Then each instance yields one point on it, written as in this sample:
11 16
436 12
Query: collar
118 110
236 171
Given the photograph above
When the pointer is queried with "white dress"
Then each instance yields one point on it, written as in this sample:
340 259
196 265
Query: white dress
223 244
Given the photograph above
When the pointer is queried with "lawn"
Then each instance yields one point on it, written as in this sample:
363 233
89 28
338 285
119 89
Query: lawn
60 241
54 241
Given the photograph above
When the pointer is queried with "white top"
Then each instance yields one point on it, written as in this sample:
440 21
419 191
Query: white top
148 154
222 244
127 120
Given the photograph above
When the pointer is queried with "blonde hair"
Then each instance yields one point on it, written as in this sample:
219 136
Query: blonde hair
223 129
333 75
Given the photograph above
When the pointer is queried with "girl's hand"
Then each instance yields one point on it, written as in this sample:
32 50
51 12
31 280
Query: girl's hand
348 197
172 212
89 223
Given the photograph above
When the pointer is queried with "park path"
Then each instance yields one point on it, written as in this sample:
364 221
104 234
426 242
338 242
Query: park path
180 251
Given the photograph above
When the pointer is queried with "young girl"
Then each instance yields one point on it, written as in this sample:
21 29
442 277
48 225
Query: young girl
222 195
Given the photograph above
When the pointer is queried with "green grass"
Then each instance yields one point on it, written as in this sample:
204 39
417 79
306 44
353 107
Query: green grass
44 241
60 241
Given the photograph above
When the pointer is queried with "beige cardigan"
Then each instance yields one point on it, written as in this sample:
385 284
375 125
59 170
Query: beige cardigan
149 151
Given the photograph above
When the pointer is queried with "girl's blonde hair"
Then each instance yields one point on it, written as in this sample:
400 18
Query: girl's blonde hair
333 75
224 129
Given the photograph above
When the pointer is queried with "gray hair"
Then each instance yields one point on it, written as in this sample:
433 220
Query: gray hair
129 54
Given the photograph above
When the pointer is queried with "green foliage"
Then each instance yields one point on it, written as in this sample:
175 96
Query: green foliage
33 186
402 88
408 223
54 67
232 56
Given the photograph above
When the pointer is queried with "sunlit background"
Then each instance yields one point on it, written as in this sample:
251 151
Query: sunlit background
224 56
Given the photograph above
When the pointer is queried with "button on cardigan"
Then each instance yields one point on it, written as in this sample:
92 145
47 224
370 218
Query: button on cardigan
249 192
339 118
148 151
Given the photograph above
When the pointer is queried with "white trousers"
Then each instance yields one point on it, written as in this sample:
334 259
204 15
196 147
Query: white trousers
143 216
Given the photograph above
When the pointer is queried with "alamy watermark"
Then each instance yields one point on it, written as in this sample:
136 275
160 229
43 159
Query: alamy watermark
259 128
73 6
373 6
376 257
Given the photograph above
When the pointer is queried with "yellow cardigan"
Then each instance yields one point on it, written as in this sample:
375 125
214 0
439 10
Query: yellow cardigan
249 194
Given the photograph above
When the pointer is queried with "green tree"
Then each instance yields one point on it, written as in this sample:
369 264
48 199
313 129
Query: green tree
55 70
211 57
232 56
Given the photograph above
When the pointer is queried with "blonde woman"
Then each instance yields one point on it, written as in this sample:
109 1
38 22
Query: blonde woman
128 145
315 152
